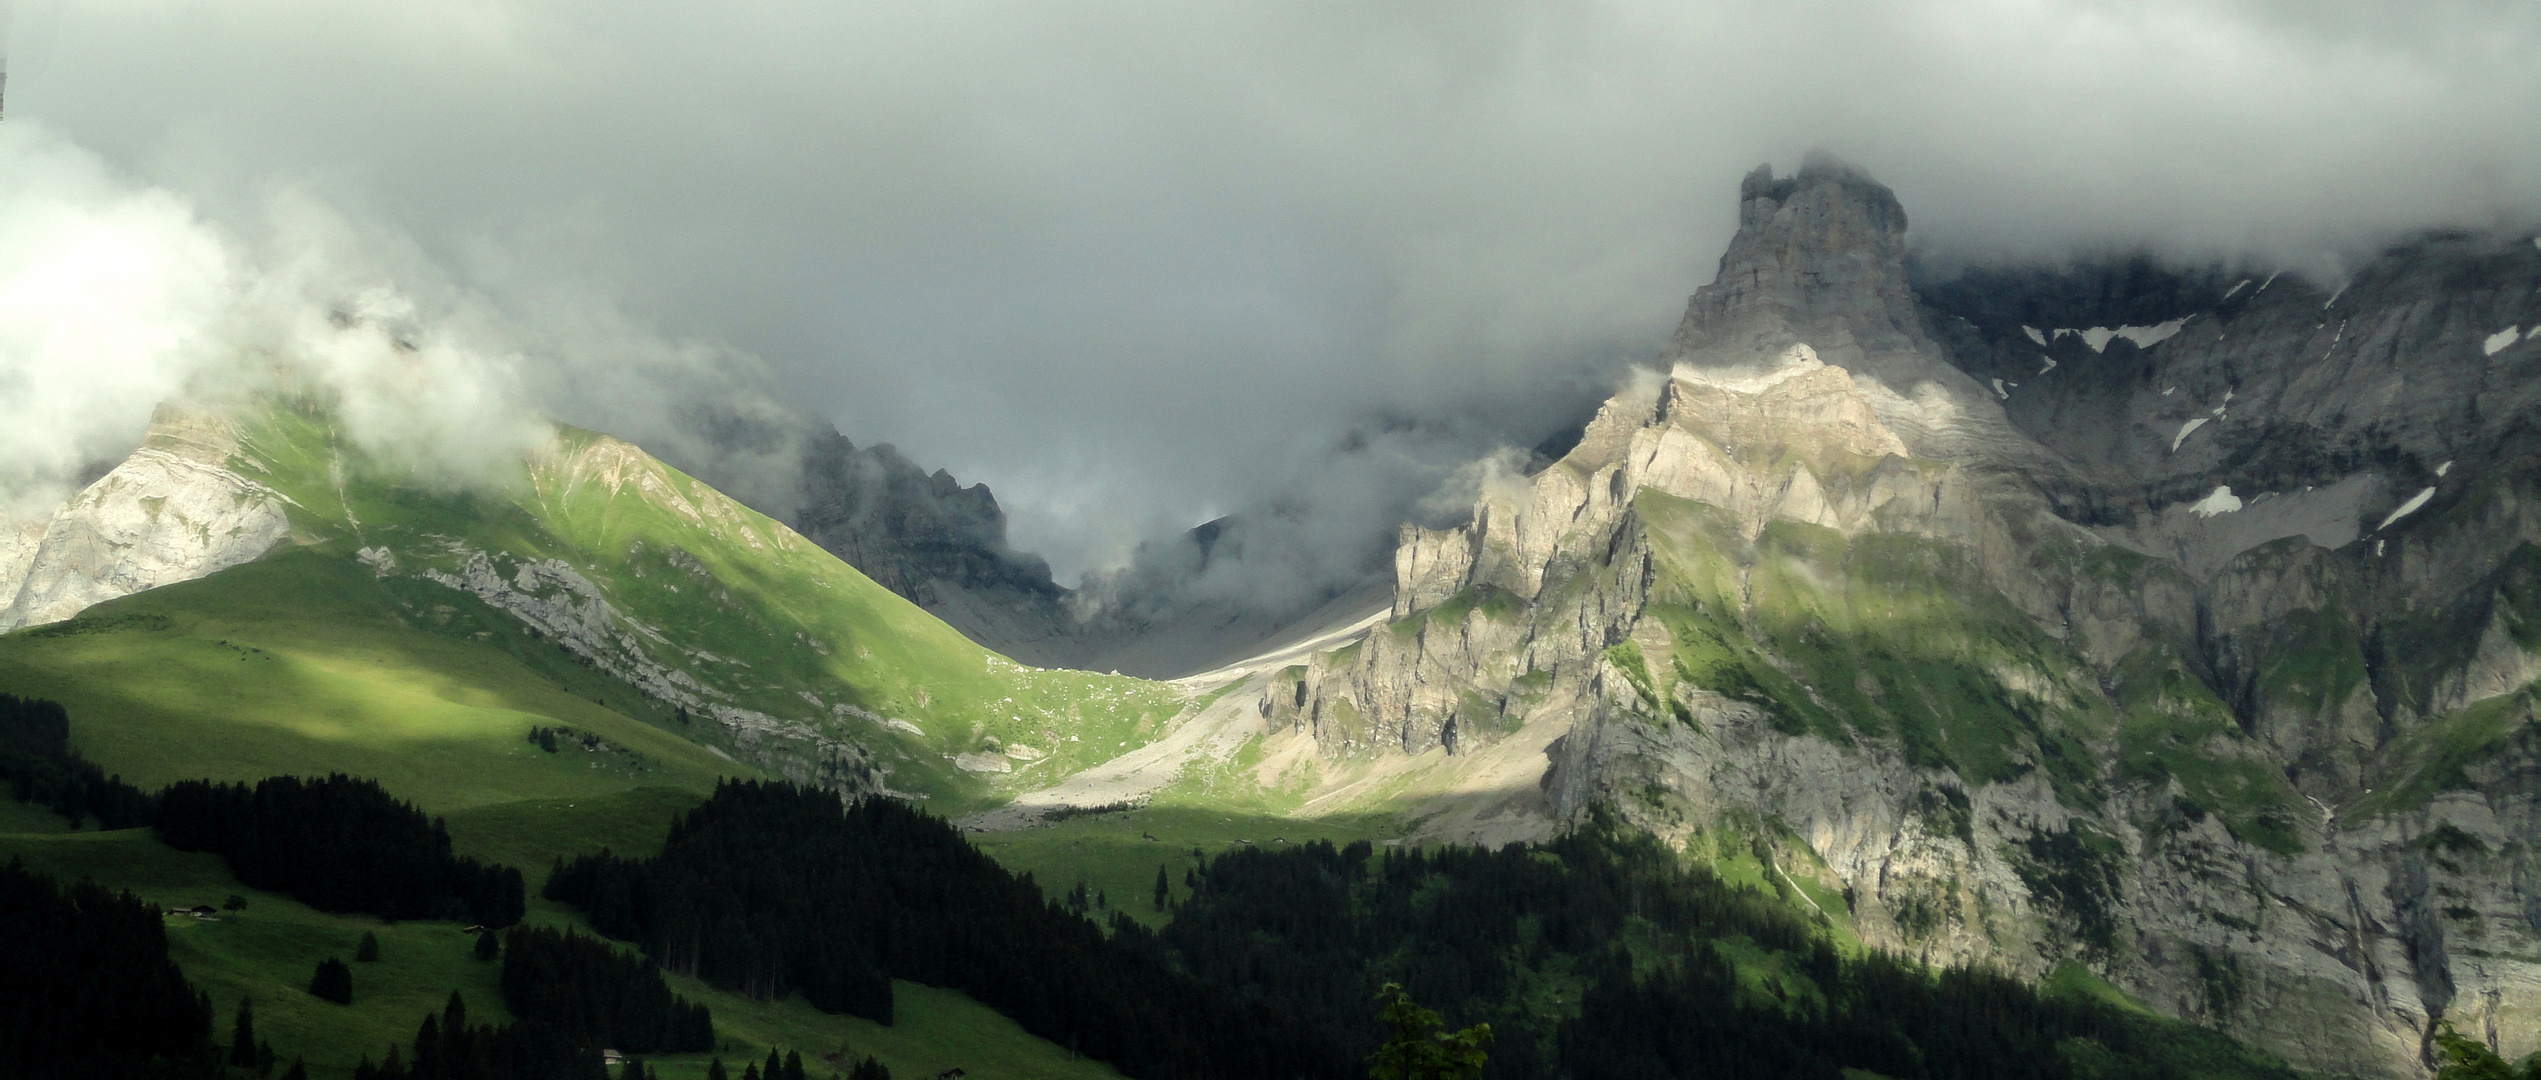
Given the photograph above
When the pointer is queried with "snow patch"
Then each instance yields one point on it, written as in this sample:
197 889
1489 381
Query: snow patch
2219 501
2169 390
2050 363
2236 287
2446 467
2504 339
2406 508
2000 392
2144 337
2184 429
2034 335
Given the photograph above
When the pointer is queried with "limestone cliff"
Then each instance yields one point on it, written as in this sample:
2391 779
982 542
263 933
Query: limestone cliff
173 511
2199 650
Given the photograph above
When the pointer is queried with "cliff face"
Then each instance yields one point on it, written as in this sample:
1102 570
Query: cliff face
2199 650
173 511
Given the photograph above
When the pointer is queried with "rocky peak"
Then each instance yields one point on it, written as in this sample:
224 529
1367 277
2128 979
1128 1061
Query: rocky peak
1819 257
1819 263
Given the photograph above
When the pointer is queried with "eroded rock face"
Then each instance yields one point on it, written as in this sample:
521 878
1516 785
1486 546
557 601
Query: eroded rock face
174 511
2181 626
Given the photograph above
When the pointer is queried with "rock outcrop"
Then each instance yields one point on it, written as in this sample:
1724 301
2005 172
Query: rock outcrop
2178 626
173 511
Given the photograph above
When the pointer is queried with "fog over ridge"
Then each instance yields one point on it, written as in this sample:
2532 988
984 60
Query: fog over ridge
1139 265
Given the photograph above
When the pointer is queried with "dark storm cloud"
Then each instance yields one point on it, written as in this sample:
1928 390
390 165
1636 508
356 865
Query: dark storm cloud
1136 265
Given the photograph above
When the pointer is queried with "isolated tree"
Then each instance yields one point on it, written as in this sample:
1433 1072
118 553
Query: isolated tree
869 1069
234 903
368 950
1164 889
299 1070
487 946
1417 1048
333 982
714 1070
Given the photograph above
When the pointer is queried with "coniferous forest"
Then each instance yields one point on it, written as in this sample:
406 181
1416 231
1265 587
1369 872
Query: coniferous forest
593 991
40 767
339 844
1599 955
92 992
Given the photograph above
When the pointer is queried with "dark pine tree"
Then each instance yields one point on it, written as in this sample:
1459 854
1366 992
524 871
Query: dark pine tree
92 991
242 1036
368 950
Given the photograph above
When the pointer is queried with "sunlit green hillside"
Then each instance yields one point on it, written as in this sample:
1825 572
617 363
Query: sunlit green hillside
418 632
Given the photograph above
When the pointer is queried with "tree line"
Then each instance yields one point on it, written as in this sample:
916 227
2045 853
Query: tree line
92 990
40 767
772 888
335 843
590 990
339 844
1603 955
447 1047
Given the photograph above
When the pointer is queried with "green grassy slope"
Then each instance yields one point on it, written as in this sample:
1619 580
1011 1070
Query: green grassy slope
415 633
302 664
267 952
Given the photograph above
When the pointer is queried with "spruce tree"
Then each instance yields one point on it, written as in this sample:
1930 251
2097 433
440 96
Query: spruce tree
487 947
368 950
1164 889
242 1038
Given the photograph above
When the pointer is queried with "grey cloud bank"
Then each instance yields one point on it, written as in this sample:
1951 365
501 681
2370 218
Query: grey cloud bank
1137 265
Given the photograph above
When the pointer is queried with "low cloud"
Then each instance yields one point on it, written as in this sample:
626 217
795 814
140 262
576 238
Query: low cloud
1138 265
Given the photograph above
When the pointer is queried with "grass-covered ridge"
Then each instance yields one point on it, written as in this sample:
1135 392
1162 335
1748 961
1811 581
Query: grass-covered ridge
417 631
1881 636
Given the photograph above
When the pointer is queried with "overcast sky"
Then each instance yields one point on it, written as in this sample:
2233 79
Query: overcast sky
1136 264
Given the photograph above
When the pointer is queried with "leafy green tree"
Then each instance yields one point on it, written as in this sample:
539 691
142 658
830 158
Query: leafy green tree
1418 1049
2461 1057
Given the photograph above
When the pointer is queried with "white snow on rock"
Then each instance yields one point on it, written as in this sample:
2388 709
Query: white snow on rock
2184 429
2236 287
2034 335
2000 392
2504 339
2446 467
2049 362
2406 508
2144 337
2219 501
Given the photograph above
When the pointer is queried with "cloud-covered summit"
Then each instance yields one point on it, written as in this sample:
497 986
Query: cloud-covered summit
1137 265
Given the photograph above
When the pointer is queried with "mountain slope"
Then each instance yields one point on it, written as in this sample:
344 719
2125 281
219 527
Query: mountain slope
1984 659
593 568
